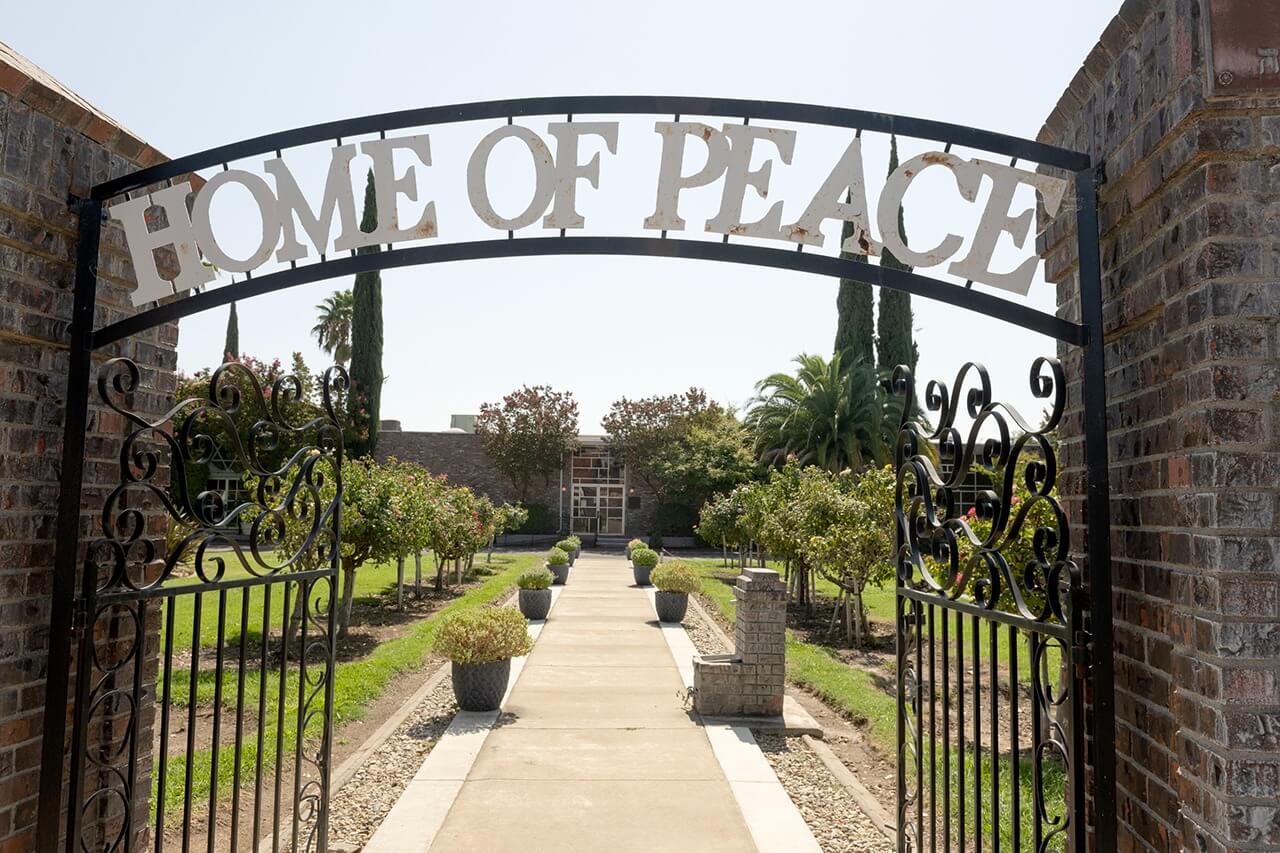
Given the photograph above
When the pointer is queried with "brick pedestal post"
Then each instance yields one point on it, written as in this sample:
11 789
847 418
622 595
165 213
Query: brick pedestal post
752 680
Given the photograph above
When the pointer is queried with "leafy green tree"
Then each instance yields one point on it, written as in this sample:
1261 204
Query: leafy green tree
456 531
231 345
895 344
639 430
832 414
528 434
332 330
723 521
366 339
713 456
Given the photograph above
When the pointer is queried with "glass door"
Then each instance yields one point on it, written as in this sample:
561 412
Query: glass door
599 501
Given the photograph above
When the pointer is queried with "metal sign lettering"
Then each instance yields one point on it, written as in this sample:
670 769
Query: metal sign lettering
283 209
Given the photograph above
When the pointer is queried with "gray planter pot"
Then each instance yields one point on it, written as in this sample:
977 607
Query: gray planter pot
626 552
577 552
671 606
641 574
535 603
479 686
561 573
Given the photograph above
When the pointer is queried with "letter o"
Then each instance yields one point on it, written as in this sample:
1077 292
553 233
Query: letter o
262 196
477 177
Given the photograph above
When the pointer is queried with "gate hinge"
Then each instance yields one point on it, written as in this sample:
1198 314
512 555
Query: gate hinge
1082 653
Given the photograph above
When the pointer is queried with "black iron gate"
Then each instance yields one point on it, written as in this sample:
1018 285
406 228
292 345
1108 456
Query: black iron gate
974 623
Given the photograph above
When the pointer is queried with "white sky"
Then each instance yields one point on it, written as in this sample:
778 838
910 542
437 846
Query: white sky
461 334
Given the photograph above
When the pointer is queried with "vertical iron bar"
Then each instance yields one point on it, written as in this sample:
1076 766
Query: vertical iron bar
139 654
975 624
304 593
961 782
1098 519
1037 723
284 667
245 595
262 715
167 685
946 730
212 831
917 619
993 643
933 740
322 836
62 637
191 721
1015 760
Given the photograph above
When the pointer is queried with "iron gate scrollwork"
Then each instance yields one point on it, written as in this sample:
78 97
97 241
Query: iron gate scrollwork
279 539
979 763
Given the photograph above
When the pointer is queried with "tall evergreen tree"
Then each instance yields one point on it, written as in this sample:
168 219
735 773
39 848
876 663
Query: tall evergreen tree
231 346
894 343
855 335
366 340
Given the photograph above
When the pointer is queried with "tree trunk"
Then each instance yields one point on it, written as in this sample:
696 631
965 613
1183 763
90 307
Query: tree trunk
457 570
348 593
417 575
400 583
295 619
440 564
489 559
859 638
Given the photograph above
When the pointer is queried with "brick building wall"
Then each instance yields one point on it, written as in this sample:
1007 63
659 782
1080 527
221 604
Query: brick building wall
1190 222
461 455
52 144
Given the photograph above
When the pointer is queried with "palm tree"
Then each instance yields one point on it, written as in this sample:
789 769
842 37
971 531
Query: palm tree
835 414
333 329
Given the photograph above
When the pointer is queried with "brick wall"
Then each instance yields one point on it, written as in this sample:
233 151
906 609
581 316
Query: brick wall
461 455
52 143
1190 221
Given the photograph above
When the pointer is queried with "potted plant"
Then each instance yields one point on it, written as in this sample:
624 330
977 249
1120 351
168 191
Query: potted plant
566 545
576 542
642 562
674 580
633 545
535 593
558 564
481 644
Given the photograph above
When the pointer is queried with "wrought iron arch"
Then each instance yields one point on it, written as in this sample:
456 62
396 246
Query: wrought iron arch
925 524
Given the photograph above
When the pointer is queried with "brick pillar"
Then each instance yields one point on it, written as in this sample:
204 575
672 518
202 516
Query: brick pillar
53 144
751 681
1178 103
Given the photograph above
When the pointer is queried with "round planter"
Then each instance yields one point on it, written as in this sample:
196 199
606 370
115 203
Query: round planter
535 603
641 574
577 552
671 606
627 552
479 686
561 573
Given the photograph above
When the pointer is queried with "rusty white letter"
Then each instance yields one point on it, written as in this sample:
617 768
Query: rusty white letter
671 180
996 220
132 215
739 175
387 189
569 171
968 178
290 202
544 177
203 228
846 180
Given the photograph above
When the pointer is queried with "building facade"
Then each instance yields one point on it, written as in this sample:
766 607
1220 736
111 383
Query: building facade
591 495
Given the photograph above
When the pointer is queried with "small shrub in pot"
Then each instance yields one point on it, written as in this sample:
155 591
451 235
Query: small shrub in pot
535 593
633 545
642 562
481 643
558 565
573 540
674 580
566 545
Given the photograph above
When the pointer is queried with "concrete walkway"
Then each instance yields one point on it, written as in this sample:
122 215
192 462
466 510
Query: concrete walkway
595 749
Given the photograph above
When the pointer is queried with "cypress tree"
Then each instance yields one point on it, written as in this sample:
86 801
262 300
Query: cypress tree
366 339
894 344
231 346
855 336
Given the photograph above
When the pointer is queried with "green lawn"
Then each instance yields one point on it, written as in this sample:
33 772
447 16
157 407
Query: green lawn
357 684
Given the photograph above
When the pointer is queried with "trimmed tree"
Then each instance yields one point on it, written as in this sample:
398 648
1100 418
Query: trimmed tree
894 343
855 335
528 434
231 346
640 430
366 340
